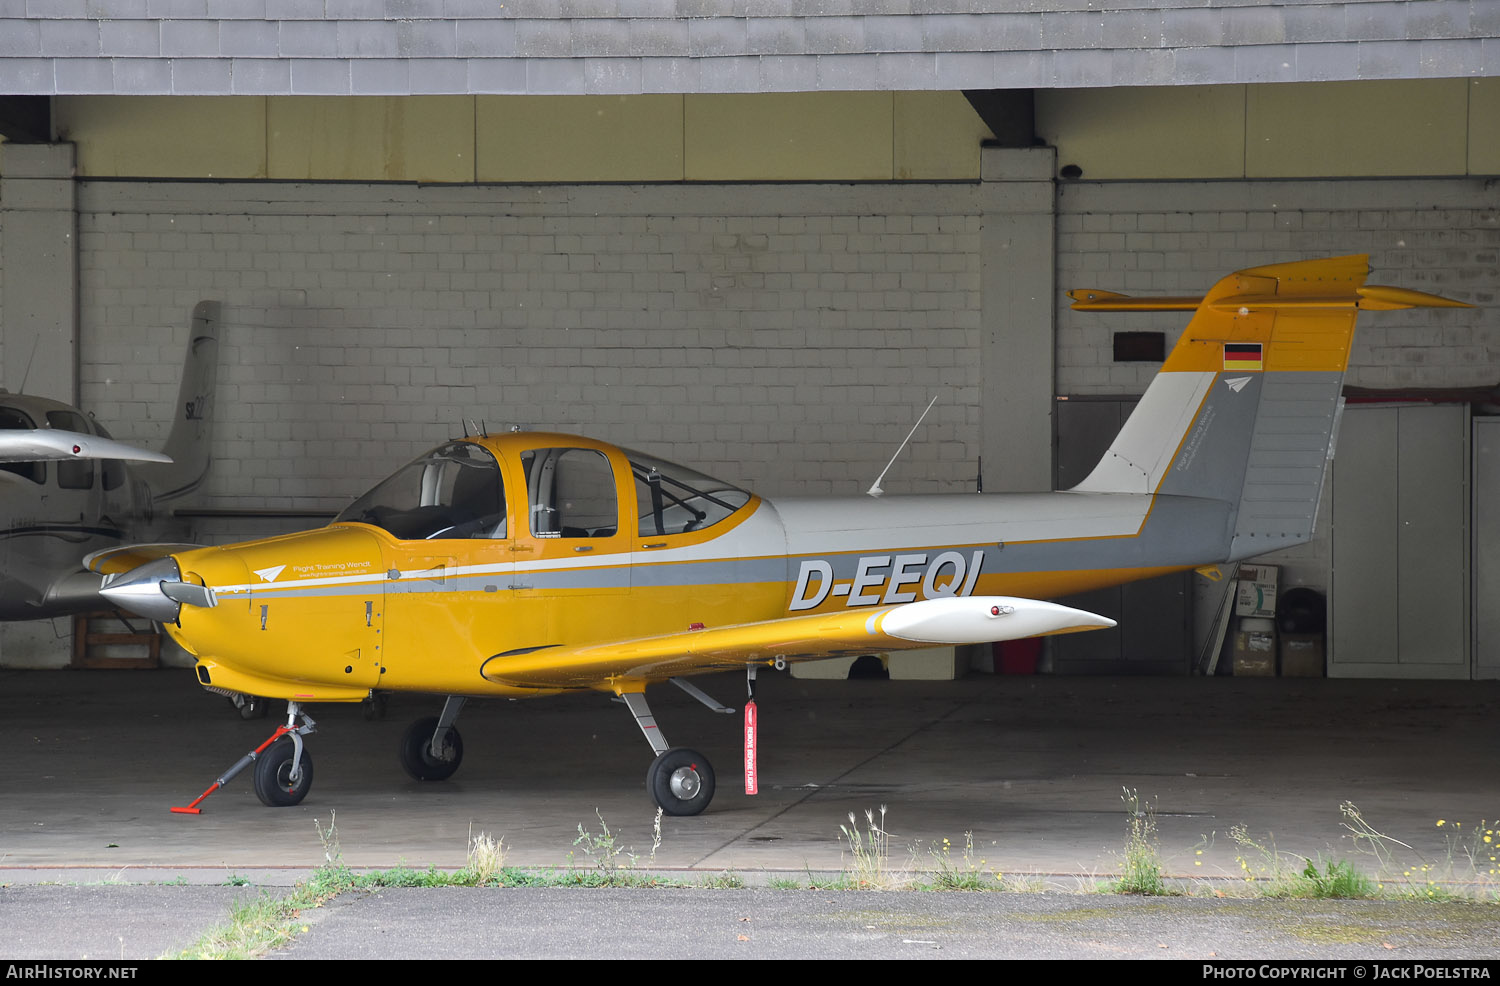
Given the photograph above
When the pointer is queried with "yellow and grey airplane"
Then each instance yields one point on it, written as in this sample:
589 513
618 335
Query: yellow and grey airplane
529 564
66 491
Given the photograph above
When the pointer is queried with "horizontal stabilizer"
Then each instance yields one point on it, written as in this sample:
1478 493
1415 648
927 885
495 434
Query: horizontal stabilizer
944 621
1094 300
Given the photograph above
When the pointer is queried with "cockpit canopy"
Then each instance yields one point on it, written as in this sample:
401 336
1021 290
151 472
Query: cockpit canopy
673 499
458 491
454 491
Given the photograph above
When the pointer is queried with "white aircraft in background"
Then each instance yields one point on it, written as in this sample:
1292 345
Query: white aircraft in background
65 490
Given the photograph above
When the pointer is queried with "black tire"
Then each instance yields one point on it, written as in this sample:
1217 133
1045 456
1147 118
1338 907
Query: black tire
681 781
416 751
273 770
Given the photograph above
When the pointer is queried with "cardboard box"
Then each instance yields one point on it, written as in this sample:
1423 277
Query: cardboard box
1302 655
1255 648
1256 592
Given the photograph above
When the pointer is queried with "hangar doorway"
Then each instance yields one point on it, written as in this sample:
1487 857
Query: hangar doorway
1154 631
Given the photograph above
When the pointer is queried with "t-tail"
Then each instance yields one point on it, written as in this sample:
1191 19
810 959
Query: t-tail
1246 407
187 443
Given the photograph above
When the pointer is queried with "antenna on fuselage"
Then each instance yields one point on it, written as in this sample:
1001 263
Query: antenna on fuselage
875 489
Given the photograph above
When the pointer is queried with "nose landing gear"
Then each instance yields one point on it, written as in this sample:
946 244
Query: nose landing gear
283 776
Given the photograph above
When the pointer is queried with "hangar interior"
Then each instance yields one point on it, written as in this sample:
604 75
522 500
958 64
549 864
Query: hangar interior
769 287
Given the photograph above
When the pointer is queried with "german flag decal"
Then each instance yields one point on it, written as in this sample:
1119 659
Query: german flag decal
1242 356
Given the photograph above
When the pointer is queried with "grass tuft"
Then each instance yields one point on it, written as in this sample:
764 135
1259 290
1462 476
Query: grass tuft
870 852
1141 873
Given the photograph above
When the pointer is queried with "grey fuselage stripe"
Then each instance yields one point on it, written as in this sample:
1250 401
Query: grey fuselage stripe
1179 532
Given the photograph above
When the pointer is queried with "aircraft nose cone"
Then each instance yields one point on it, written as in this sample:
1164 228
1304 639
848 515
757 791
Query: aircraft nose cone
156 591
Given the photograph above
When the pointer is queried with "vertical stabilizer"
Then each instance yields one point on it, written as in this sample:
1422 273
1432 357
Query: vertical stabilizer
1245 407
187 443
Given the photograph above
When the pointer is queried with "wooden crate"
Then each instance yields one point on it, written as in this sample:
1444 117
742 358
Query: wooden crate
111 639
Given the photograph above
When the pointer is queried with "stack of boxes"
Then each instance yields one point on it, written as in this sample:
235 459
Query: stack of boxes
1256 637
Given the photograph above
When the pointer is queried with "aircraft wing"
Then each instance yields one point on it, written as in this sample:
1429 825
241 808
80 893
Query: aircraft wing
32 445
123 558
927 623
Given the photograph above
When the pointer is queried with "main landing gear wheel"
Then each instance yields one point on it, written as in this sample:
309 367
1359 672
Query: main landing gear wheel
681 781
274 785
416 751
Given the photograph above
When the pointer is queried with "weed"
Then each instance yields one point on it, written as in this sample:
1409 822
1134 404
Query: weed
1471 856
334 876
1274 873
961 874
1260 862
1338 879
783 883
604 849
486 860
1142 870
871 852
235 880
1025 883
720 881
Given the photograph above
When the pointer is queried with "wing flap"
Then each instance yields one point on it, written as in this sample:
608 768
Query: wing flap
970 620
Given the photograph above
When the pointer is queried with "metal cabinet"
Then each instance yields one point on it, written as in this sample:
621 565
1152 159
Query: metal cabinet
1399 599
1486 548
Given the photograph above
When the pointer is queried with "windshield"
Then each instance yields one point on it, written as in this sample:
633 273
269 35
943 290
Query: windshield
451 492
674 499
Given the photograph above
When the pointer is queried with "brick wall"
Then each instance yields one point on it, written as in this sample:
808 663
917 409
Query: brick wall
783 337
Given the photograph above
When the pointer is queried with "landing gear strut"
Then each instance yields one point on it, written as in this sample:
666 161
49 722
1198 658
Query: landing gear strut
679 780
431 750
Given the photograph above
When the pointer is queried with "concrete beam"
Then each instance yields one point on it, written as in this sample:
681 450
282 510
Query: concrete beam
1018 285
39 270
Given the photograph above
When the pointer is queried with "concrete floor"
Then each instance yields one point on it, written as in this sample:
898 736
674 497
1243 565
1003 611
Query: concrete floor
1033 767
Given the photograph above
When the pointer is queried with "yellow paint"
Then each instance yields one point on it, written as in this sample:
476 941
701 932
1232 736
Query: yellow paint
165 136
379 138
579 138
1338 129
825 136
1159 132
937 137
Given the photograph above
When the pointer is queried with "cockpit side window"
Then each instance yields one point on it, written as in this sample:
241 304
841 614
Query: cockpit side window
571 492
673 499
72 474
453 492
14 419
